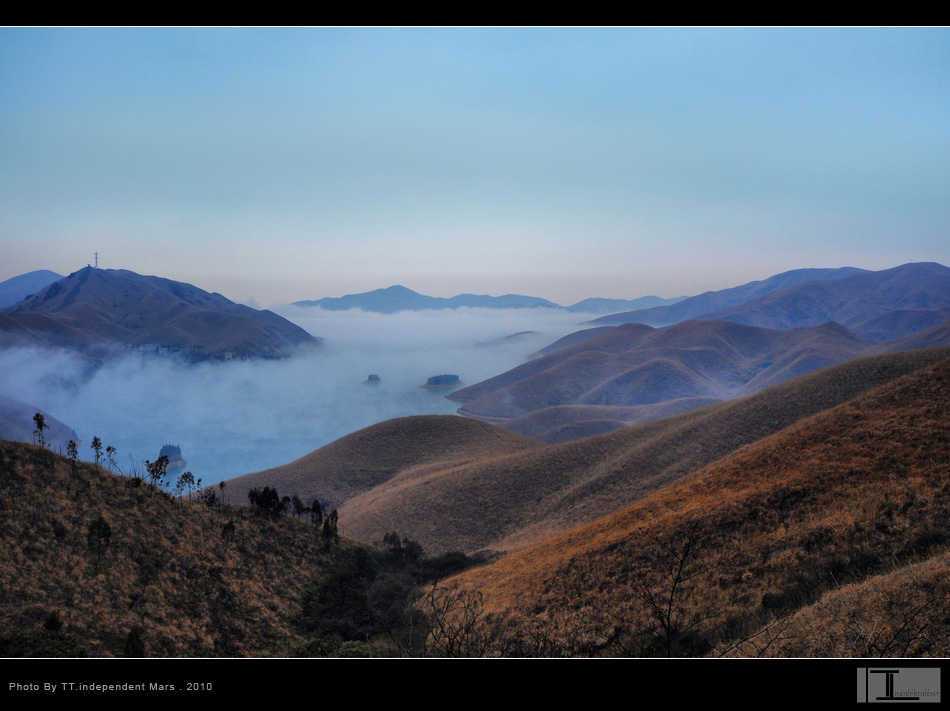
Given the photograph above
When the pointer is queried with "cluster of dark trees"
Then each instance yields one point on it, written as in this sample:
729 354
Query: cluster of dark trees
372 593
267 502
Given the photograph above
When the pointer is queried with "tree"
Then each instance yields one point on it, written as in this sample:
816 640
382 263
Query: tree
97 449
185 481
110 455
316 513
72 451
330 529
157 470
40 419
266 501
299 507
98 536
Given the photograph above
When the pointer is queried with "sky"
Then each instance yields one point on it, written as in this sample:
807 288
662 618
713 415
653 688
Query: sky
280 164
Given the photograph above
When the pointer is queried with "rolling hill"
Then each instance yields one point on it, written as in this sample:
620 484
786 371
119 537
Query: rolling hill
413 477
107 311
365 459
399 298
826 538
877 306
634 365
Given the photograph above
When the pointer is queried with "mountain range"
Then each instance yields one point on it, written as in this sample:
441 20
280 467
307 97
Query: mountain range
106 311
398 298
608 377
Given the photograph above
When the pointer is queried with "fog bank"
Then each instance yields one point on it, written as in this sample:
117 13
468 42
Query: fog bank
231 418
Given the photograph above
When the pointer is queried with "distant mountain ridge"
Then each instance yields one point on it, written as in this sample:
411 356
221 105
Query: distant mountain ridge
106 311
703 305
399 298
609 376
17 288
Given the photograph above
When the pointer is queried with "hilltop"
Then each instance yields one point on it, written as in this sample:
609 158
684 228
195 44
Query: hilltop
712 301
372 456
107 311
19 287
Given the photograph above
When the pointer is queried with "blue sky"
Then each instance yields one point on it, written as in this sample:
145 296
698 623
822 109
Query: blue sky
283 164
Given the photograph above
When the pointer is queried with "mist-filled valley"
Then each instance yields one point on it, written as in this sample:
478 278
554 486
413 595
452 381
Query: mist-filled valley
239 416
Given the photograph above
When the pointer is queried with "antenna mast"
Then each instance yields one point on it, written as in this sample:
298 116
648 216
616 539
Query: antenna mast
97 260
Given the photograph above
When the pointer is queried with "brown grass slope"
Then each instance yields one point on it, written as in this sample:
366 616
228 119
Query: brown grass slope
165 570
372 456
512 501
817 526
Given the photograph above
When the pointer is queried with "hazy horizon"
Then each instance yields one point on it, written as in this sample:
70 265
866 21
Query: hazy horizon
281 164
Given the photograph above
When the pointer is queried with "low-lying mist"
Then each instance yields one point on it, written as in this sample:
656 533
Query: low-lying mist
236 417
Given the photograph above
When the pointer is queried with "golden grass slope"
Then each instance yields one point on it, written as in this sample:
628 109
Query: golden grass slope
165 569
832 525
511 501
370 457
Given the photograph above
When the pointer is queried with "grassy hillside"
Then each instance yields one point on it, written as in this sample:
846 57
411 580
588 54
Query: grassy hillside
826 538
370 457
152 577
510 501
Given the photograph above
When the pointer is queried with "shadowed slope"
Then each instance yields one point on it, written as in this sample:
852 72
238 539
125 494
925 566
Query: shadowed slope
115 308
635 365
515 500
859 299
89 562
699 306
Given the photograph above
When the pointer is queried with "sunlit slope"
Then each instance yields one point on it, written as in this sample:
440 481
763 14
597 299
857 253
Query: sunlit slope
833 516
510 501
372 456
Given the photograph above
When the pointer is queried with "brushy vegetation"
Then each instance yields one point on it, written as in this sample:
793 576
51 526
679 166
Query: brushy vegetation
95 564
826 539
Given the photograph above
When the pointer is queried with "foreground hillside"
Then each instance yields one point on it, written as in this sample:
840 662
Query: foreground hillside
828 538
93 566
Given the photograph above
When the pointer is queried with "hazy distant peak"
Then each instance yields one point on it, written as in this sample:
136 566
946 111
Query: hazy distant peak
117 309
17 288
